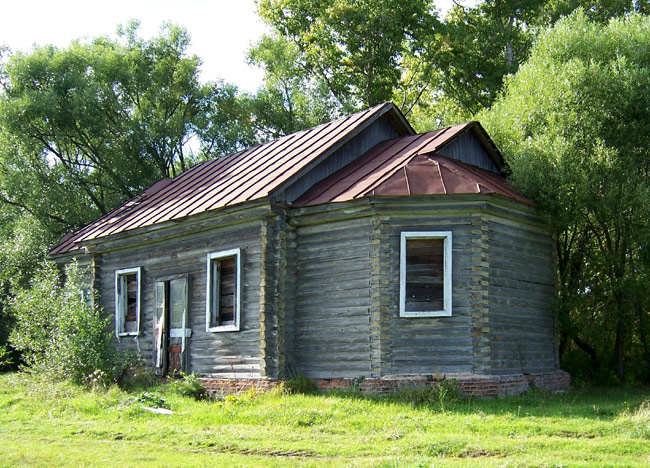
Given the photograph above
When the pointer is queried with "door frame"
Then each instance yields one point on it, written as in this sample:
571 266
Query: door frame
160 352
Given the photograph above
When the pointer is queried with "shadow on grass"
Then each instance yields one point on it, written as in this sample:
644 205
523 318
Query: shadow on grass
593 402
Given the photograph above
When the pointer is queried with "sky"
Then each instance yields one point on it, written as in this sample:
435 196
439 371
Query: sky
221 30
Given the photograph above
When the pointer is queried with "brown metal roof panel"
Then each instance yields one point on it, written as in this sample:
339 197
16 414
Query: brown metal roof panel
179 183
405 172
397 183
442 137
424 177
347 182
488 181
298 159
273 155
346 175
194 191
458 182
373 180
196 184
190 194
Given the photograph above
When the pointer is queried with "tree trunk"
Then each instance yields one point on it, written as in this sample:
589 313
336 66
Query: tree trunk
590 350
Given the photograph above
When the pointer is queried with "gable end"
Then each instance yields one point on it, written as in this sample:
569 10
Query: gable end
380 130
474 147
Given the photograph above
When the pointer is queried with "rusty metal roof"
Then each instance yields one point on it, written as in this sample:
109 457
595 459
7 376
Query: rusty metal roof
405 166
252 174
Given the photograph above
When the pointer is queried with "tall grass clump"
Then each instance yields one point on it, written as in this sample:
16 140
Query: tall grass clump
641 420
59 328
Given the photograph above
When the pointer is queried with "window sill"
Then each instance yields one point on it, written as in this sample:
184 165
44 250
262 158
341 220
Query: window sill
129 334
434 313
224 328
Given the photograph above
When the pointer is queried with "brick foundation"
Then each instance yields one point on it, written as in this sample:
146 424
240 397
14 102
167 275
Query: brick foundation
486 386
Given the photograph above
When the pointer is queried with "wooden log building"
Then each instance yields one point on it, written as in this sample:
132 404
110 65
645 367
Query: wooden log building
355 251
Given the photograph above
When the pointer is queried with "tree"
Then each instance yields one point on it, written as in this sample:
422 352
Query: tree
574 125
290 99
355 48
99 121
60 331
86 127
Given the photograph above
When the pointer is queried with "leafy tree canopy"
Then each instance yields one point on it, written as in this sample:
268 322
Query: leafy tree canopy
99 121
573 123
354 48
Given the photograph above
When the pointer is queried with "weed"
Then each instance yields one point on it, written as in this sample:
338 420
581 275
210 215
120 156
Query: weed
189 386
641 420
355 385
241 399
440 394
133 373
300 385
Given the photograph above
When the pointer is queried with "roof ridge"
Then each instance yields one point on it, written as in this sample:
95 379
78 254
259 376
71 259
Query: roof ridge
251 173
407 159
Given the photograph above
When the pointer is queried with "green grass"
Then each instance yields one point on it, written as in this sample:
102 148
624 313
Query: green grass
60 425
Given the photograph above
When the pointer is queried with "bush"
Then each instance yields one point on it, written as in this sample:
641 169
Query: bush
60 331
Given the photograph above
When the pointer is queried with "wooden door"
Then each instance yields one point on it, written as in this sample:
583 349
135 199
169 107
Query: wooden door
171 326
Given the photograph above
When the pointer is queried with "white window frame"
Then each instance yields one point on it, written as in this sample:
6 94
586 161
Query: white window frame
208 297
119 315
447 292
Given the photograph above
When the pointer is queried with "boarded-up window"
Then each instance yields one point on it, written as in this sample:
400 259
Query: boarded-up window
127 301
425 274
223 291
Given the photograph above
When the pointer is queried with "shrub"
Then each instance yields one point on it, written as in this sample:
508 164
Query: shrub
59 329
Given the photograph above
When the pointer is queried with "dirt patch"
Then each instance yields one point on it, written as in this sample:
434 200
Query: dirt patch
575 435
479 453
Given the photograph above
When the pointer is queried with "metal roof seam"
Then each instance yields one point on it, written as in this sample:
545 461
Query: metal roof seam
175 186
407 159
277 163
380 158
199 179
379 111
349 169
273 181
442 179
406 178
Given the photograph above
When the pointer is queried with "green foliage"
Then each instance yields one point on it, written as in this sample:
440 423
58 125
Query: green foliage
354 48
189 386
290 100
60 334
300 385
151 399
84 128
99 121
132 373
240 399
438 394
573 124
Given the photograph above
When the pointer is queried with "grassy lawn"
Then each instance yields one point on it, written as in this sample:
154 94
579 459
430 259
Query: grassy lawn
61 425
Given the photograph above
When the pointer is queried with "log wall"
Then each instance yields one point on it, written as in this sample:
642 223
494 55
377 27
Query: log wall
333 322
522 332
428 345
223 354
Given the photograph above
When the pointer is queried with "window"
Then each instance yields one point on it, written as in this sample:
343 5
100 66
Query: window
425 274
127 301
223 297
